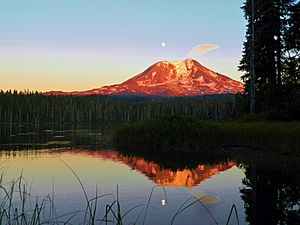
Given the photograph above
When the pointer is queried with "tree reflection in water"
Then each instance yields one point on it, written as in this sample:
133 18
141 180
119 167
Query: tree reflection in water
271 191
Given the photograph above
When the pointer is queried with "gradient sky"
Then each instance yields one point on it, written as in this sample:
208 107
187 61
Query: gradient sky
79 45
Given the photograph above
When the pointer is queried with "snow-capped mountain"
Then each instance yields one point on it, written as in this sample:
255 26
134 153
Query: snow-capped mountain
170 78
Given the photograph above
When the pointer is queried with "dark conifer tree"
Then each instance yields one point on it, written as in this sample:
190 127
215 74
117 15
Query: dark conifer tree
276 51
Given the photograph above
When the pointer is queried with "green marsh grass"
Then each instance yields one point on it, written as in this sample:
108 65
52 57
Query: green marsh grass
183 134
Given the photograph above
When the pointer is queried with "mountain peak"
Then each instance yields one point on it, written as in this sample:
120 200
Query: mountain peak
188 63
182 67
172 78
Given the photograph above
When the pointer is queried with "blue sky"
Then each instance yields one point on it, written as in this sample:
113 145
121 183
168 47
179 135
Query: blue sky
78 45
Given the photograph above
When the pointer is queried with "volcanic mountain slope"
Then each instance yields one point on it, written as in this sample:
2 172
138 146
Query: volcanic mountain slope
170 78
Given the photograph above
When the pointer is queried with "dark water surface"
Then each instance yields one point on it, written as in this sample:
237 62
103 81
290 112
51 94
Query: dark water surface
265 189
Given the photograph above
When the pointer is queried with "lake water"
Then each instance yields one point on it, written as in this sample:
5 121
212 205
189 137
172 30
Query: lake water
264 190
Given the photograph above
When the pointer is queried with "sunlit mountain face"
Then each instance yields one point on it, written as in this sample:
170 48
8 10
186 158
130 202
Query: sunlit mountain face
162 176
169 78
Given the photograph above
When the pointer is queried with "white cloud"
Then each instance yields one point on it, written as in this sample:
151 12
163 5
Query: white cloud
202 48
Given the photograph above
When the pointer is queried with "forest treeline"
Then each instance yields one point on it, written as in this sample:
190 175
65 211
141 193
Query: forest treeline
34 107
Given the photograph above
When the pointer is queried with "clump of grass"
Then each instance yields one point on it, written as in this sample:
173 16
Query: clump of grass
182 134
281 137
163 135
18 206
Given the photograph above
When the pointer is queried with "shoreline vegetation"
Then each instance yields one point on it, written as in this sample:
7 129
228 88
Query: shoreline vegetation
184 134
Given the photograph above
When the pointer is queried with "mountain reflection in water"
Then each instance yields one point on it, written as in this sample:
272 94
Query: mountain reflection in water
161 176
265 190
187 177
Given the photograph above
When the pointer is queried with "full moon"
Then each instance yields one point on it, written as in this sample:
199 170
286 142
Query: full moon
163 44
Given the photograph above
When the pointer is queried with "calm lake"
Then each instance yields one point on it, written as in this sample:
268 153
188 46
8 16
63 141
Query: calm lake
265 189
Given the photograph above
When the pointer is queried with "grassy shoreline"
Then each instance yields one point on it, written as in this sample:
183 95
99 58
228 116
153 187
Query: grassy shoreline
178 134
